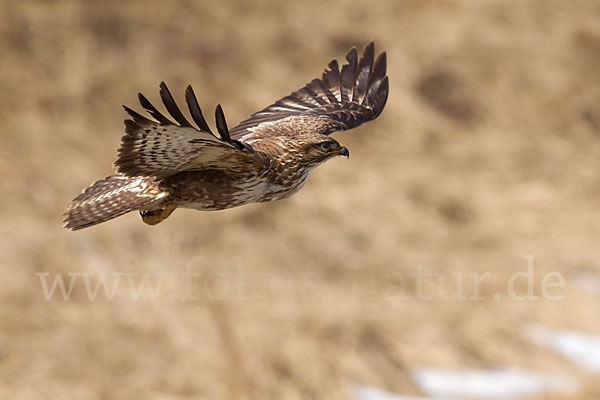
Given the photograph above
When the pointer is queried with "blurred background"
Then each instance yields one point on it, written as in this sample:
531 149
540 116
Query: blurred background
484 161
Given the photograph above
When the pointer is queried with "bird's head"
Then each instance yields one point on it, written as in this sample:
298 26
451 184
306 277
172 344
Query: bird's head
316 149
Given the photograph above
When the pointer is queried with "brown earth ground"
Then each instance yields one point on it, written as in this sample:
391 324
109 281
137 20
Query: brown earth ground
488 151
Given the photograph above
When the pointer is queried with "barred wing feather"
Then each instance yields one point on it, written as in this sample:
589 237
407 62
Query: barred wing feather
340 100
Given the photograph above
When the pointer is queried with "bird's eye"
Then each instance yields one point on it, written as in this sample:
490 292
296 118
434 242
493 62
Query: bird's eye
326 146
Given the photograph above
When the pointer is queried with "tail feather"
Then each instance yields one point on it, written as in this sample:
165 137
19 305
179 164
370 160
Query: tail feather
109 198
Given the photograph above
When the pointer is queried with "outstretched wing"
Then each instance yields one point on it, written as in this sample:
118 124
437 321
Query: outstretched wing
161 147
340 100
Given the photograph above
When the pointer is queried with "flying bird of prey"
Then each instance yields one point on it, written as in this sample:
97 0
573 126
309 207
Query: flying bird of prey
164 164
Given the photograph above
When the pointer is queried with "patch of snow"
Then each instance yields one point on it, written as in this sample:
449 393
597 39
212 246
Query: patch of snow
583 349
503 383
364 392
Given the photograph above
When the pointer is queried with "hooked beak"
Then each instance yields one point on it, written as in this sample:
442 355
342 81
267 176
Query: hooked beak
344 152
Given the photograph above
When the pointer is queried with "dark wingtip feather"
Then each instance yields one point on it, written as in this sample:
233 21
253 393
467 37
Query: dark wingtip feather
379 67
363 74
369 52
331 79
195 110
222 124
347 77
171 106
140 119
153 111
352 55
376 79
381 97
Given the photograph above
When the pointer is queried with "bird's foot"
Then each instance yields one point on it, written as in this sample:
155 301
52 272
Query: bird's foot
156 216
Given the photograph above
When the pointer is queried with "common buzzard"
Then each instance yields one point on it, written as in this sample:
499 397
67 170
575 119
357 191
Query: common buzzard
162 164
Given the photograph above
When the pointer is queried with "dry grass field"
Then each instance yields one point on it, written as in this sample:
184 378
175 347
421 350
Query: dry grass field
488 152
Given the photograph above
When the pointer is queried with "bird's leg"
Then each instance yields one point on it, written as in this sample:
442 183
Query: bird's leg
154 217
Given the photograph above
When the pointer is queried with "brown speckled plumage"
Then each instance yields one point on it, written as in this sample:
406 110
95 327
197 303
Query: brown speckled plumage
162 165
